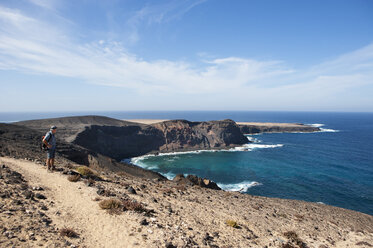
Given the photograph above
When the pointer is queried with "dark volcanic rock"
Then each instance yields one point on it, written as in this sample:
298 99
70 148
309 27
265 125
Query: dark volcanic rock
134 140
120 142
252 129
194 180
185 135
131 190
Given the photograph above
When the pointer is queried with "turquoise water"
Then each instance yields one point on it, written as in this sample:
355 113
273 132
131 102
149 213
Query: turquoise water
332 167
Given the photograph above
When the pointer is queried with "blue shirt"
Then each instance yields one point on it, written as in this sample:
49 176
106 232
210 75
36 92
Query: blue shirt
52 139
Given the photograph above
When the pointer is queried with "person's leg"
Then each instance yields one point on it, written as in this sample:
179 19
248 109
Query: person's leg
48 163
51 154
52 164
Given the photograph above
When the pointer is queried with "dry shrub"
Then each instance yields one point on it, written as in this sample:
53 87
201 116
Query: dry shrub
180 187
288 245
85 171
68 232
96 199
133 206
293 236
111 204
74 178
232 223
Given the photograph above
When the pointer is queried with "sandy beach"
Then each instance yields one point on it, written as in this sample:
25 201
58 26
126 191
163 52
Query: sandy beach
146 121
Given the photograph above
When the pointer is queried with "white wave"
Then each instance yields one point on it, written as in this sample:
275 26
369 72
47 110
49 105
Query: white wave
252 139
250 147
321 203
245 147
240 187
323 130
169 175
138 161
326 130
316 125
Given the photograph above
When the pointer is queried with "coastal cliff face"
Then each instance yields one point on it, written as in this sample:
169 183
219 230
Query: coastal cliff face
179 135
186 135
120 142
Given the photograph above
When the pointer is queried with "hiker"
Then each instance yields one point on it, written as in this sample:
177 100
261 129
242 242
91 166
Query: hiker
50 142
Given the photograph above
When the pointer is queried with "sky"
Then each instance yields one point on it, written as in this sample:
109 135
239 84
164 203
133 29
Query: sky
132 55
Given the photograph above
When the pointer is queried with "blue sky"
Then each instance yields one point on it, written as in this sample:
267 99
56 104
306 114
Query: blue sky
186 55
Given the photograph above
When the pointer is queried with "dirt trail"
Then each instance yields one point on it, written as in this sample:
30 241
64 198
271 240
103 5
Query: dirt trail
74 208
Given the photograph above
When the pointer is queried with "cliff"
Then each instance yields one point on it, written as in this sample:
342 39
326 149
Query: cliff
179 135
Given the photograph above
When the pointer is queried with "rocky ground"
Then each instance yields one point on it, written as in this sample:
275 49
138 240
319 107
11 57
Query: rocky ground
23 214
36 205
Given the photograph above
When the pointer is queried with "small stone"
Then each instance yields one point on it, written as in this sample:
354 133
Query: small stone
28 194
170 245
144 222
131 190
100 191
9 234
40 196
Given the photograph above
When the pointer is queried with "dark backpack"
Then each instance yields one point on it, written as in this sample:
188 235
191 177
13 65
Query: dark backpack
43 147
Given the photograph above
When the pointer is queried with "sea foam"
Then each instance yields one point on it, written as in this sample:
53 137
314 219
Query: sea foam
323 130
239 187
173 155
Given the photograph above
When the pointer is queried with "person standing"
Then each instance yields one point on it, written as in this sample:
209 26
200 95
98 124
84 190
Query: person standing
50 141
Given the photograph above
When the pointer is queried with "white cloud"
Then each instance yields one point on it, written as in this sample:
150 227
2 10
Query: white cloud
152 14
33 46
46 4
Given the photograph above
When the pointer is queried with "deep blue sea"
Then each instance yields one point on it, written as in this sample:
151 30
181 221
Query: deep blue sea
333 167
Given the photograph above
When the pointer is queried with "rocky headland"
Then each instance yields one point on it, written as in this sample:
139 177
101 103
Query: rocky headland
267 127
122 139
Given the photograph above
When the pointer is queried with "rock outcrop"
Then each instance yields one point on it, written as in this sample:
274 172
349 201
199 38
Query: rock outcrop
195 180
185 135
277 128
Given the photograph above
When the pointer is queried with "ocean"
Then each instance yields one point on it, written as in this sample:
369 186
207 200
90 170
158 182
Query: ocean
332 167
